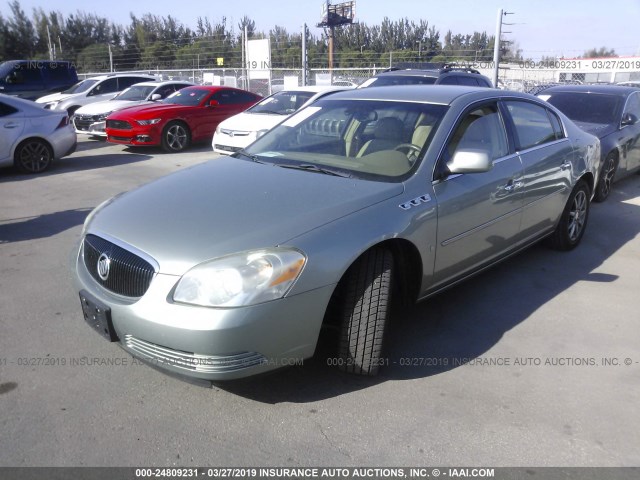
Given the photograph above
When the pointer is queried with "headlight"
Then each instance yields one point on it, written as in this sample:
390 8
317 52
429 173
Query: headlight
241 279
102 117
51 105
153 121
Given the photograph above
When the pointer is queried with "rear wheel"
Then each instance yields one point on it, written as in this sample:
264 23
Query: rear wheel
365 312
175 137
606 178
33 156
573 222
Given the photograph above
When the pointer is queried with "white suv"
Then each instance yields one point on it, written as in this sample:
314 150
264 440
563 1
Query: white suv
94 89
91 118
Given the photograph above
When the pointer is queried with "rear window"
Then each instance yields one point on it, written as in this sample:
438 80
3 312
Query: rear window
387 80
586 107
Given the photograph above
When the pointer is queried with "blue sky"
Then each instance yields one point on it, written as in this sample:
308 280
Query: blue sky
543 27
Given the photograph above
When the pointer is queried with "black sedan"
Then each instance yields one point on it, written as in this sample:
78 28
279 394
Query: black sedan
610 112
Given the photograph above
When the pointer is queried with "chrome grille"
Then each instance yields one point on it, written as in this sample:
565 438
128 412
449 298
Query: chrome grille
192 362
82 122
129 274
118 124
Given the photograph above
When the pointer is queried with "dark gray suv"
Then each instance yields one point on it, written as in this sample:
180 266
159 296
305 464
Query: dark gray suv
433 76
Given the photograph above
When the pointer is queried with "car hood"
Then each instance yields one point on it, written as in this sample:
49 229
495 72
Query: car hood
252 122
229 205
109 106
55 97
600 130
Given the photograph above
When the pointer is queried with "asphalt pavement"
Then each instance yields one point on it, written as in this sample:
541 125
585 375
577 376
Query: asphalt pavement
533 363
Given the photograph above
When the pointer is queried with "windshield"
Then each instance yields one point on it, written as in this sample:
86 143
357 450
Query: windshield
377 140
586 107
135 93
282 103
82 86
188 96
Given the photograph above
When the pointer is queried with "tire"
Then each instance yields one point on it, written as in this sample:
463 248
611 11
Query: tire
573 221
365 312
603 189
33 156
176 137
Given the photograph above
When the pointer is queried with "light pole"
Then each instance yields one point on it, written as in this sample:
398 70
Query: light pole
496 45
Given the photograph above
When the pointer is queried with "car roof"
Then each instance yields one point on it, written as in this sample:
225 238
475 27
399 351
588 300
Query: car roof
157 83
620 90
440 94
113 75
314 88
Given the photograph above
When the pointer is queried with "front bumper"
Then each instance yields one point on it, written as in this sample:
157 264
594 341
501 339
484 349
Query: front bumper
136 137
211 343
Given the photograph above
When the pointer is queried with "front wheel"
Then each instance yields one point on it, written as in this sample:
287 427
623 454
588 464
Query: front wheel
573 221
365 312
606 179
33 156
175 137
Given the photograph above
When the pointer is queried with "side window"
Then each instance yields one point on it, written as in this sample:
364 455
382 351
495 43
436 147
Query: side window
555 123
126 82
228 97
532 124
165 91
480 129
59 72
450 80
633 105
107 86
6 110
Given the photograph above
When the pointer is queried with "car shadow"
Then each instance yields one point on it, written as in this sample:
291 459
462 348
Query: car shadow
466 321
42 226
75 164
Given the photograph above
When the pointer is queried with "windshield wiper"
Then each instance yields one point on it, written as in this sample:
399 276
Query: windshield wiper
271 112
316 169
253 158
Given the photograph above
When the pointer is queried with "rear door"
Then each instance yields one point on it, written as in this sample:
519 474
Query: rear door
630 136
11 127
546 154
478 213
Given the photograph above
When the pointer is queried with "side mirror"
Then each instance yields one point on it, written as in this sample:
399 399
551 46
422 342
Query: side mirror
470 161
628 119
155 97
213 103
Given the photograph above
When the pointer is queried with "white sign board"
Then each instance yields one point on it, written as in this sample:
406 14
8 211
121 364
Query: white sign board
259 59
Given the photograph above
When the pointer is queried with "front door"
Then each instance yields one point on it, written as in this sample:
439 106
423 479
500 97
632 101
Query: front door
478 213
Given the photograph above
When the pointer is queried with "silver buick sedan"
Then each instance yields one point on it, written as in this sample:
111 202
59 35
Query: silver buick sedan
363 199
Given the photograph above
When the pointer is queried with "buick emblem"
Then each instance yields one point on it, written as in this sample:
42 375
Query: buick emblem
104 262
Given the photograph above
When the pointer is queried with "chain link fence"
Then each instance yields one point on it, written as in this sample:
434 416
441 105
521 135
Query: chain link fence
523 76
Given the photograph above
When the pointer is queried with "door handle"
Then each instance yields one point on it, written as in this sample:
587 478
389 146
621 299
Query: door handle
511 186
11 125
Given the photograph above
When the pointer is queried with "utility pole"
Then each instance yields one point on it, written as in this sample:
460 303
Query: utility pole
305 65
496 45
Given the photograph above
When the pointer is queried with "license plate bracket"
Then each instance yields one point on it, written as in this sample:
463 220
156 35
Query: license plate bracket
98 316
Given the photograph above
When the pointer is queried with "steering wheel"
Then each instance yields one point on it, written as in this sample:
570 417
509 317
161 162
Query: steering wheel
412 150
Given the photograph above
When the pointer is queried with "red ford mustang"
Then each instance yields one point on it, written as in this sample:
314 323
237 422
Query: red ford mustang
189 115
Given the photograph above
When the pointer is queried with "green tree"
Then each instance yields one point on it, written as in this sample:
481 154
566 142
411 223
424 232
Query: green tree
599 53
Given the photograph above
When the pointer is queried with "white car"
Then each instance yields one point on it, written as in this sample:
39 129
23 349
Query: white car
32 137
91 119
237 132
91 90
